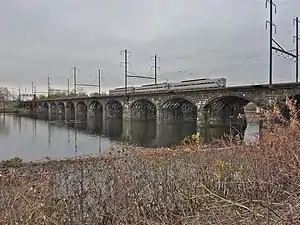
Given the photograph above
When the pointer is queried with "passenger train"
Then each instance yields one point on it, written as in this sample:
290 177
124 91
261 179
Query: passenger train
185 85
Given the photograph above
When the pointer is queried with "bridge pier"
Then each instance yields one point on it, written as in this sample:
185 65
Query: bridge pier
91 114
34 110
201 115
81 112
159 115
68 113
126 114
49 113
53 111
76 115
61 108
52 114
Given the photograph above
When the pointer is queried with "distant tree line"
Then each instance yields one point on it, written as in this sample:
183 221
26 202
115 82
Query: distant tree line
6 94
58 94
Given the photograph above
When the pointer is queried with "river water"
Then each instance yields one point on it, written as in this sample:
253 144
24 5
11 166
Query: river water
32 139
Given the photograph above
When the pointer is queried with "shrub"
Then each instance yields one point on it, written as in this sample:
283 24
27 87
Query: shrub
187 184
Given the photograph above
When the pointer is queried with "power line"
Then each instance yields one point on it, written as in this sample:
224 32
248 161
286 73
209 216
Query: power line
99 80
48 82
278 47
155 68
271 37
84 84
33 89
296 22
125 67
74 80
133 75
68 86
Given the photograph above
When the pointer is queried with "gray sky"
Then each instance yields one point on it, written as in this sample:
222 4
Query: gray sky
202 38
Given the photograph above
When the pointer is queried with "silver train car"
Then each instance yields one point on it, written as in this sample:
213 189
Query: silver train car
185 85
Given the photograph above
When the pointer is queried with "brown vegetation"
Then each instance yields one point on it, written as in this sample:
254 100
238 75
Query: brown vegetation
257 184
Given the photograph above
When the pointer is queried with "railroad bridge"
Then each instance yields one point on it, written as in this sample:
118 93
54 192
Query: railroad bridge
203 106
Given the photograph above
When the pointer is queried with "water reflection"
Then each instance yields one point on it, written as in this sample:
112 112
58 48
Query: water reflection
4 128
169 133
143 132
113 129
36 138
149 133
210 134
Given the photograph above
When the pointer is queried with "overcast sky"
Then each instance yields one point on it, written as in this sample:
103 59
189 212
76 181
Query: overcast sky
200 38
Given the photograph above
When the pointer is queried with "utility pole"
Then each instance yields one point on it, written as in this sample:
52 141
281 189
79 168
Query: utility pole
271 38
33 88
125 68
296 22
271 43
48 82
134 75
80 84
74 74
19 93
278 47
99 80
68 86
155 68
125 71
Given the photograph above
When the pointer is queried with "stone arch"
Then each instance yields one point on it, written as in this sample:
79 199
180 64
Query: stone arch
53 105
81 105
217 97
95 105
226 109
143 109
45 107
35 107
40 106
178 109
81 111
61 108
52 110
70 110
113 109
95 109
70 104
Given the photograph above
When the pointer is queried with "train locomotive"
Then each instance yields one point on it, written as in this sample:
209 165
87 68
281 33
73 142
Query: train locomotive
185 85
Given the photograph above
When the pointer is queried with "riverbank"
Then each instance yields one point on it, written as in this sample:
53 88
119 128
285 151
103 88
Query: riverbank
19 111
9 111
187 184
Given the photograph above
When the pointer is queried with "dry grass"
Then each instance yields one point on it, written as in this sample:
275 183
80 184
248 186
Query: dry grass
258 184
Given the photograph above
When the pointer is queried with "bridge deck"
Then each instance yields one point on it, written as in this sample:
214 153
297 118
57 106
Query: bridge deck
260 87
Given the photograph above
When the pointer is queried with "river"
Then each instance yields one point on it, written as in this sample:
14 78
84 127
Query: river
32 139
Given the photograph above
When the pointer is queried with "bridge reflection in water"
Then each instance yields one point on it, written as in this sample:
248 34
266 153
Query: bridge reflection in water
33 139
148 133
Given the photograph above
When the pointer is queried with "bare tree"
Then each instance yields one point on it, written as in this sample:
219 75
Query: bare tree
5 95
56 93
42 96
79 92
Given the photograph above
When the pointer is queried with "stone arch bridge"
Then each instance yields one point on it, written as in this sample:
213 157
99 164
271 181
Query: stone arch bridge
202 106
